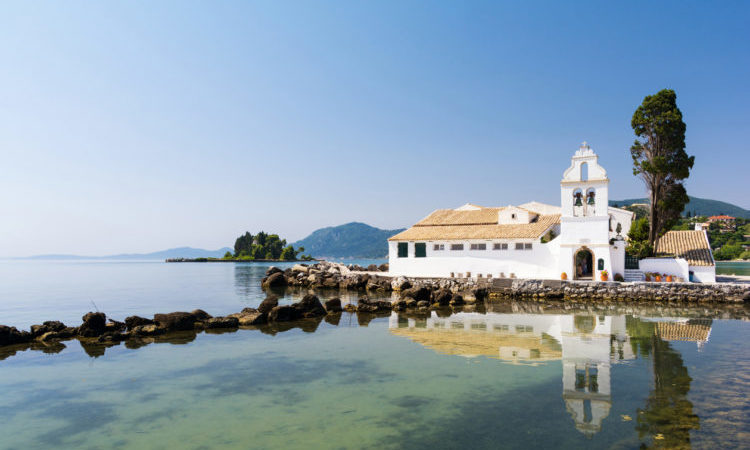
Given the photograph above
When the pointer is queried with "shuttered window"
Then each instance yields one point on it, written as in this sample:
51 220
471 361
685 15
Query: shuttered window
457 246
403 249
420 250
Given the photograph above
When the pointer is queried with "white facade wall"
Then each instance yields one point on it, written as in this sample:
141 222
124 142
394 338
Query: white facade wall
704 274
670 266
539 262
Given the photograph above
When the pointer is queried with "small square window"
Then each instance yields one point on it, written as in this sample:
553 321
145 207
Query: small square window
438 247
478 246
519 245
457 246
500 246
527 246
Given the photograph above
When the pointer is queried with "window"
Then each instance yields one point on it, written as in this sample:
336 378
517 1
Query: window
513 216
403 249
457 246
438 247
499 246
478 246
519 245
527 246
420 250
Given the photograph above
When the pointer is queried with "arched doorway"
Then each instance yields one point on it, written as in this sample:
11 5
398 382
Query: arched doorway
584 264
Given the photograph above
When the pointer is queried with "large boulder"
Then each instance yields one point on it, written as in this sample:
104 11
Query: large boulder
367 305
283 313
276 279
443 297
272 270
47 327
146 330
135 321
383 267
268 304
11 335
176 321
221 322
417 293
200 315
400 283
333 305
253 317
94 325
310 306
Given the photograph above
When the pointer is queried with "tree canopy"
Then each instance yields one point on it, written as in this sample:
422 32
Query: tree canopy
659 158
264 246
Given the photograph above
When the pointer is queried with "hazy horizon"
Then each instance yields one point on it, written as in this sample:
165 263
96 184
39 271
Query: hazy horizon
134 127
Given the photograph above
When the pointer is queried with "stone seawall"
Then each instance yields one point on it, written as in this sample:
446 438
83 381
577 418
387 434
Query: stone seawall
327 275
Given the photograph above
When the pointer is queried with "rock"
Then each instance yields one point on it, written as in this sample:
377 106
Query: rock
113 336
276 279
65 333
283 313
114 325
221 322
268 304
443 297
383 267
400 284
252 318
135 321
201 315
423 304
350 307
176 321
310 306
417 293
146 330
333 305
272 270
372 268
94 324
300 268
399 305
457 300
11 335
46 327
411 303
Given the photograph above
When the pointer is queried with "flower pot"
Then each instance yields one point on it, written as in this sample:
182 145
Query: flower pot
564 276
605 277
658 278
669 278
648 277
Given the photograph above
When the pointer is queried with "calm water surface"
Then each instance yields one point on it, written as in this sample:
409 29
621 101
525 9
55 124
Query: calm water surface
733 268
507 375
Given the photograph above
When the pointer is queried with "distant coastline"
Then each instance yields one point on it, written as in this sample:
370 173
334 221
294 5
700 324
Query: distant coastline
201 260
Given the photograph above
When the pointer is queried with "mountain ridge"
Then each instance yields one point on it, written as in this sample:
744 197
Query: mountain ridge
177 252
697 207
350 240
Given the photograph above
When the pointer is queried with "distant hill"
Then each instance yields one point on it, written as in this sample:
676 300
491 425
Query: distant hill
180 252
697 207
351 240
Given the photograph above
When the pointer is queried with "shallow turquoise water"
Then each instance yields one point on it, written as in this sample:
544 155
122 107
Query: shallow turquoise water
733 268
511 375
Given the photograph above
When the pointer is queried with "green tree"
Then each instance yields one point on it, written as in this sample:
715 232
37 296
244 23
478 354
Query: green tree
639 244
289 254
228 255
659 158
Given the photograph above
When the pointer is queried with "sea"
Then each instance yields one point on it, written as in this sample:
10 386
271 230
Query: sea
498 375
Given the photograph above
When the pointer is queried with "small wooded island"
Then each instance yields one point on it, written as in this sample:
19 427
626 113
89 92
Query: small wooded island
262 247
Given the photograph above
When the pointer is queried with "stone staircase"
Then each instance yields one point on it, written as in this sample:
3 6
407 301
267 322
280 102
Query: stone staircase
634 275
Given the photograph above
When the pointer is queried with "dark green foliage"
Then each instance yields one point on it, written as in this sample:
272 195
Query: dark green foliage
659 158
263 246
695 207
352 240
638 239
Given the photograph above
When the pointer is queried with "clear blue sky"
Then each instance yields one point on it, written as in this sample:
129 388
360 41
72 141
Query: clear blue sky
138 126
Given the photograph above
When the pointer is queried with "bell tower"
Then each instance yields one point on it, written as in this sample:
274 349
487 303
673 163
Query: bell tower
584 220
584 187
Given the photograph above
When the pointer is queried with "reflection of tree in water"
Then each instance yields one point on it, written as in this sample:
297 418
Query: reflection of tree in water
247 279
667 417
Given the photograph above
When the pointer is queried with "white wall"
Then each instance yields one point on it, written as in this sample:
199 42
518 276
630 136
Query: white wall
704 274
539 262
670 266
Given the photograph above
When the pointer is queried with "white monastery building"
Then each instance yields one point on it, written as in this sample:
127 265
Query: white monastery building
581 238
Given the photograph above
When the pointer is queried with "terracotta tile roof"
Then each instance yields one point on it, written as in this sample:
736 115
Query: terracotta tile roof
475 227
689 245
484 216
722 217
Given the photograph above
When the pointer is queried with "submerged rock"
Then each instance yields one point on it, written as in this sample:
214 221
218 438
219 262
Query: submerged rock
221 322
46 327
333 305
268 304
135 321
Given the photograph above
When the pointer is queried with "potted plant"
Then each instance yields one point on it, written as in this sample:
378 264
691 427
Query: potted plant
657 278
648 277
604 275
564 276
669 278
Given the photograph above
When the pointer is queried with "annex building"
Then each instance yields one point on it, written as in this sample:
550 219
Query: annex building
581 238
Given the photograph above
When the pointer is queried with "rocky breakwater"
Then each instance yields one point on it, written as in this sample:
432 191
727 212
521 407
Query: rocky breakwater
98 329
325 275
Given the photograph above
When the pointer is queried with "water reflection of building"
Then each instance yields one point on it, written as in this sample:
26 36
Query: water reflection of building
587 345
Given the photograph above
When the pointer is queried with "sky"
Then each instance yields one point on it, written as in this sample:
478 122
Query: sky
139 126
